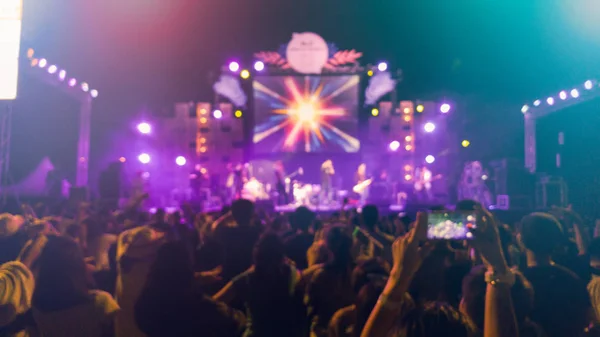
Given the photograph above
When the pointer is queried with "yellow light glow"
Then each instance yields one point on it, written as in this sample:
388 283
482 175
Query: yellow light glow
203 120
407 177
374 112
407 110
203 170
203 111
407 167
465 143
420 108
408 147
122 159
370 73
245 74
202 140
203 149
408 138
238 113
407 118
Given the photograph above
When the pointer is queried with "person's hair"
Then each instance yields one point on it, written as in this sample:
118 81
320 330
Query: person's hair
474 290
171 269
62 280
370 216
339 243
242 211
302 218
594 249
269 252
434 319
375 269
541 233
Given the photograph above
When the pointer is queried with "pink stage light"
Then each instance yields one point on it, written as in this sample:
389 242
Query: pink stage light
429 159
218 114
445 108
72 82
259 66
562 95
94 93
395 145
85 87
144 128
550 100
574 93
382 66
429 127
234 66
588 84
180 161
144 158
62 74
52 69
42 63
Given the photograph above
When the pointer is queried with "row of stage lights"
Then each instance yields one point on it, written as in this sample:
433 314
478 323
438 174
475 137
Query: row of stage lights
145 129
259 66
420 108
563 95
52 69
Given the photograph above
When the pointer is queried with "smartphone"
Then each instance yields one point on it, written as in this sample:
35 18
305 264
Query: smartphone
451 225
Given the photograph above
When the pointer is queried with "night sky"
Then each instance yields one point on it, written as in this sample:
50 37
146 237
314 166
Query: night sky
144 55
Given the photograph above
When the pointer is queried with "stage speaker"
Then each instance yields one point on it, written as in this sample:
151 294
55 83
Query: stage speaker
512 178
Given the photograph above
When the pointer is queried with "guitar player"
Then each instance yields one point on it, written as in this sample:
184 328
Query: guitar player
423 179
362 184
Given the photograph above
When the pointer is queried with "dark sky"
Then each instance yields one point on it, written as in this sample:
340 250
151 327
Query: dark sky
146 54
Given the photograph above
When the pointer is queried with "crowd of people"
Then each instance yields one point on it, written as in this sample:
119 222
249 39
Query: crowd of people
249 272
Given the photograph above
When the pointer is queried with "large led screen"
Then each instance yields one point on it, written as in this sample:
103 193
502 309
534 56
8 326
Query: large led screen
317 114
10 39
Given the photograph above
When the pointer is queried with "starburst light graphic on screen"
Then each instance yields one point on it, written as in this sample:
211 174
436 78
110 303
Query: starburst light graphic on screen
310 114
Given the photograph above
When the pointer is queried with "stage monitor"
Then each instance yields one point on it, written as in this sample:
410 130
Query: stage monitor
10 40
300 114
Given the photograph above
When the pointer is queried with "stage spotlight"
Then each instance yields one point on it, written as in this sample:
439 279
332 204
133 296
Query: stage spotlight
574 93
550 100
370 73
72 82
407 167
234 66
245 74
407 177
238 113
429 159
203 149
62 74
122 159
42 63
408 147
144 158
34 62
374 112
203 120
429 127
408 138
420 108
465 143
30 53
52 69
588 84
407 118
217 114
94 93
85 87
394 145
259 66
562 95
202 140
445 108
382 66
525 108
144 128
180 161
537 102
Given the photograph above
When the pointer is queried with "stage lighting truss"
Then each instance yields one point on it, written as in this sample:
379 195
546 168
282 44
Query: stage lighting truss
56 76
544 106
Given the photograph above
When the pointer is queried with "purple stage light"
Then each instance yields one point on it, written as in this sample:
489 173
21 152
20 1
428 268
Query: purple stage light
574 93
42 63
562 95
72 82
259 66
429 159
180 161
429 127
550 100
382 66
445 108
234 66
144 158
395 145
85 87
62 74
94 93
217 114
588 84
52 69
144 128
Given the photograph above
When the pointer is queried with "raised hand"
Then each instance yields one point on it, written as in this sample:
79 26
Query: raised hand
486 241
410 250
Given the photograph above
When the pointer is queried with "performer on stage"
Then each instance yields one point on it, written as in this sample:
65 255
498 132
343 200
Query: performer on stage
240 178
361 184
197 181
423 179
282 195
327 172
